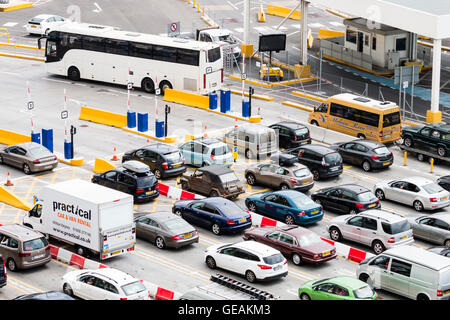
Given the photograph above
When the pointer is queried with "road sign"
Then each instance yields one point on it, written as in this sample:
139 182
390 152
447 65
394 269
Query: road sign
173 29
130 85
64 114
158 91
243 76
30 105
405 84
406 73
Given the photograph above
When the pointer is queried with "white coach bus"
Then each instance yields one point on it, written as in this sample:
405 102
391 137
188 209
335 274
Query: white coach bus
103 53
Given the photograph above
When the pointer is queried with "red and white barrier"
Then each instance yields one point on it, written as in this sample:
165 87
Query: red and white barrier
177 193
348 252
73 259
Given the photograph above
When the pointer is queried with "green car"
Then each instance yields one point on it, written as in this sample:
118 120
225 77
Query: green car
336 288
433 138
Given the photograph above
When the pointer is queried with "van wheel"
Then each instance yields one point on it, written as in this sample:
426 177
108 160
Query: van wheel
12 266
315 123
378 247
335 234
441 151
418 206
67 289
148 85
421 296
164 85
73 73
249 154
80 251
361 136
250 276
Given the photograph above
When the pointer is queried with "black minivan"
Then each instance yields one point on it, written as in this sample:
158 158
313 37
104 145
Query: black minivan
291 134
323 162
163 159
3 275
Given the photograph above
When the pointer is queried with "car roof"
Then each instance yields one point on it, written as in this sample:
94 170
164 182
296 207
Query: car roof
28 145
22 231
160 148
294 230
318 148
368 143
290 193
290 125
353 188
440 125
159 216
215 169
391 217
207 141
44 16
347 281
420 181
420 256
254 127
135 166
118 276
442 216
256 247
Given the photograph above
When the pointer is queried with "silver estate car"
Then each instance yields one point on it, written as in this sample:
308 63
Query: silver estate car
165 229
28 156
434 228
296 176
376 228
419 192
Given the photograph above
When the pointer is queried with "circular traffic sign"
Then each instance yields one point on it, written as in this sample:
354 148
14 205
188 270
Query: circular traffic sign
173 27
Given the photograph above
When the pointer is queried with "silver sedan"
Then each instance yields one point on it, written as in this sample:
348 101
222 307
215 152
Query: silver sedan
434 228
28 156
296 176
418 192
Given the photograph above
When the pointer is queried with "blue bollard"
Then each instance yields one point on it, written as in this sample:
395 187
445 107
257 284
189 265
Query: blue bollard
245 108
47 139
36 137
159 129
225 100
131 119
67 149
213 101
142 122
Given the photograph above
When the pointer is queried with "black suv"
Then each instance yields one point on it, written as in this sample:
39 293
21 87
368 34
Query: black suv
323 162
163 159
368 154
433 137
133 177
291 134
3 276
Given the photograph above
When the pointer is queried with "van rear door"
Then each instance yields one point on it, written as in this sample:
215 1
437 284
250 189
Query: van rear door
444 283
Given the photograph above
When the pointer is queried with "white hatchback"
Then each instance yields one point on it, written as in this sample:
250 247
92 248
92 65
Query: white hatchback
418 192
104 284
42 24
254 260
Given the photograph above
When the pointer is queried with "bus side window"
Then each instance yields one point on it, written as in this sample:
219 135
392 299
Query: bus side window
322 108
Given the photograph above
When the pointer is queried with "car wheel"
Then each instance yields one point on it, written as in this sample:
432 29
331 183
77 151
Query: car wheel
408 142
296 259
250 276
364 278
418 206
284 186
184 185
441 151
304 296
215 228
178 212
288 219
315 123
210 262
420 157
379 194
26 169
157 174
366 166
252 206
67 289
361 136
251 179
447 243
159 242
74 74
205 164
316 175
353 211
378 247
214 193
335 234
12 266
422 297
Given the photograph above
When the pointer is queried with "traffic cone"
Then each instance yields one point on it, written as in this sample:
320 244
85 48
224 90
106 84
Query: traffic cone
114 158
8 181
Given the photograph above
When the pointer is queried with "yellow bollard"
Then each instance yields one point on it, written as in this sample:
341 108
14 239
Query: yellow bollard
406 154
189 1
432 163
193 3
198 7
203 11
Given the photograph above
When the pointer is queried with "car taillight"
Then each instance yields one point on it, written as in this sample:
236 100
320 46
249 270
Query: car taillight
221 75
24 254
433 200
47 248
133 230
391 240
316 256
130 249
176 237
55 158
295 138
213 158
4 267
392 154
302 214
140 190
359 205
374 157
230 222
204 81
264 267
123 299
165 165
285 262
293 180
195 233
105 238
36 162
440 293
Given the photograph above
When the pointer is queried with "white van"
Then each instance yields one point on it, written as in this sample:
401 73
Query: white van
409 271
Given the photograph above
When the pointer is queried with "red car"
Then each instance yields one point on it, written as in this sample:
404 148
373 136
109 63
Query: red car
300 244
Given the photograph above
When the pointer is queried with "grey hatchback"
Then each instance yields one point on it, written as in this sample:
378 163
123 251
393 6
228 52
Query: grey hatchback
28 156
165 229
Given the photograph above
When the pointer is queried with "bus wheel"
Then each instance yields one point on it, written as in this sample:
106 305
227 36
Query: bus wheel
164 85
361 136
148 85
315 123
73 73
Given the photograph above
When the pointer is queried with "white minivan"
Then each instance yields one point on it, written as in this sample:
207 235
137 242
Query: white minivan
409 271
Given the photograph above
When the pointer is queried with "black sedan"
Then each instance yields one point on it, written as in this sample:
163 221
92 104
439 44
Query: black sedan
216 213
50 295
368 154
442 250
444 182
347 198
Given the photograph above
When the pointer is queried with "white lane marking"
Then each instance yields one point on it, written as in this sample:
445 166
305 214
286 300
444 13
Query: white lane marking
10 24
315 25
10 73
98 8
300 275
231 4
293 292
290 34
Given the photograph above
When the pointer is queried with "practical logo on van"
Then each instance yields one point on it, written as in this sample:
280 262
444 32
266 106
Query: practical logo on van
72 209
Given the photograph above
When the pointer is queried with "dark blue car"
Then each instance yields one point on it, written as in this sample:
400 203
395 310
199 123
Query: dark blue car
289 206
216 213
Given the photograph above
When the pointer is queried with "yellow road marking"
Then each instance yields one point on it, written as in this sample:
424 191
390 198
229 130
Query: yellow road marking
25 284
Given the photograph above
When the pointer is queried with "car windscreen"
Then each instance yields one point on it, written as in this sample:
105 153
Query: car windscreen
214 54
231 210
332 157
274 259
302 201
133 288
381 150
302 173
433 188
35 244
309 239
173 157
228 177
174 224
39 152
36 20
301 132
391 119
226 38
396 227
267 137
363 293
366 197
145 180
219 151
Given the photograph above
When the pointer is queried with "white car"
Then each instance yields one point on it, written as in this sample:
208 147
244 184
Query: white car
254 260
418 192
104 284
42 24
